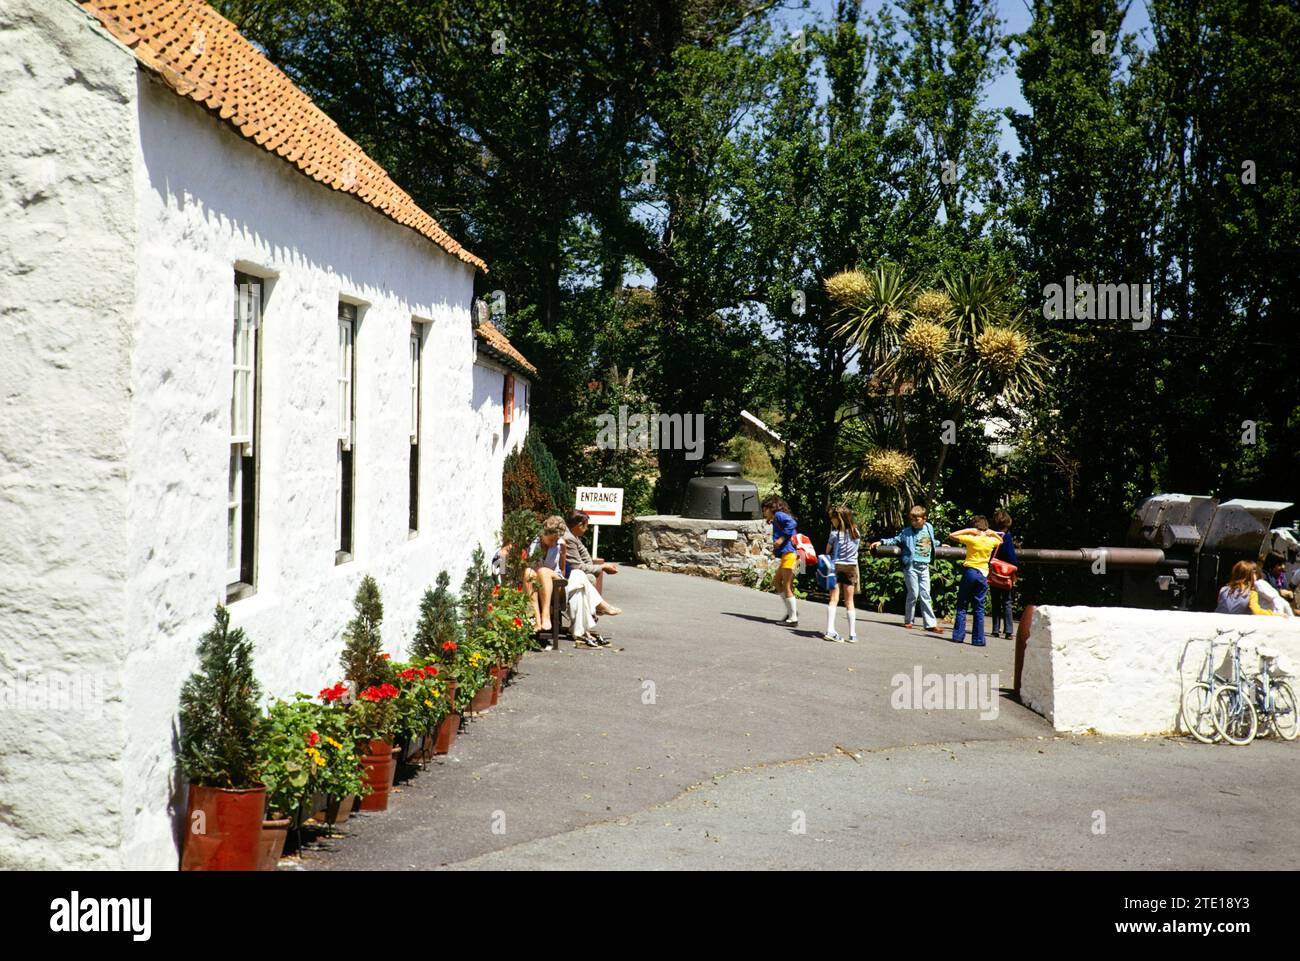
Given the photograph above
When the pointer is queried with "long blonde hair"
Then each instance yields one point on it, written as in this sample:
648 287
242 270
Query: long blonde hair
842 520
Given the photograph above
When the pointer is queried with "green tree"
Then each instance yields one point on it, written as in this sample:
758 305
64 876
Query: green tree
219 710
439 619
475 592
363 658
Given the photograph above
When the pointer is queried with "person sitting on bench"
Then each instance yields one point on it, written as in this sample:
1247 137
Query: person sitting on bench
594 567
545 570
585 604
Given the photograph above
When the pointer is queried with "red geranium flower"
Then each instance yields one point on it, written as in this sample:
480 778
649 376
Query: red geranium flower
496 590
449 645
489 608
518 622
386 657
332 694
312 738
380 693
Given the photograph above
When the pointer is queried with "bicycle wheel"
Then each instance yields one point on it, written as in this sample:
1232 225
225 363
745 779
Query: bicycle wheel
1285 718
1234 716
1198 713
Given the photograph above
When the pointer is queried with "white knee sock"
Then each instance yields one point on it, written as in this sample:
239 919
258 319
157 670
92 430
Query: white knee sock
853 622
790 611
830 619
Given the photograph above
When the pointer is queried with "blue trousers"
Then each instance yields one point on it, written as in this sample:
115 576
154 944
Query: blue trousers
917 579
970 591
1000 601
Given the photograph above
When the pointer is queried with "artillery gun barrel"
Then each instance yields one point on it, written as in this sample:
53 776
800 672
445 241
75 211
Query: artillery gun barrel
1116 557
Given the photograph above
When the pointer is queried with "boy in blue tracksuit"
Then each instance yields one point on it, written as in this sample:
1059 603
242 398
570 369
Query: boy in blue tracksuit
917 542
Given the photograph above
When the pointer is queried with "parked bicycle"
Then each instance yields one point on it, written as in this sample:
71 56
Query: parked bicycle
1275 701
1197 707
1233 704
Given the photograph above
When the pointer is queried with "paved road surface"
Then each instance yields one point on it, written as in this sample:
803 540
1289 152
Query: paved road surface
712 736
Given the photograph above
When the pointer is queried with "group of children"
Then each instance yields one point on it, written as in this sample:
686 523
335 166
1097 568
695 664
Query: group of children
917 544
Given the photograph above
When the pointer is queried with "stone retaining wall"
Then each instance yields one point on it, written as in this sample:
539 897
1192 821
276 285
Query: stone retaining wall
682 545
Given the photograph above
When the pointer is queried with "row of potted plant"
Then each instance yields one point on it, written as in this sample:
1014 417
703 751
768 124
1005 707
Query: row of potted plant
256 774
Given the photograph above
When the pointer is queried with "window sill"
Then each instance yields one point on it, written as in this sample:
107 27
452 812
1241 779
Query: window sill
239 591
341 558
412 535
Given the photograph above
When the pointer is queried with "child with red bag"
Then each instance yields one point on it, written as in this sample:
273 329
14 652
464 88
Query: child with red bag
1002 583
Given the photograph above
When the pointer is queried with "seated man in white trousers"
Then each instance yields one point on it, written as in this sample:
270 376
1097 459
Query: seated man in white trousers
585 602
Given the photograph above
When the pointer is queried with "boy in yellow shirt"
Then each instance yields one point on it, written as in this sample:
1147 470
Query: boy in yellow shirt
980 544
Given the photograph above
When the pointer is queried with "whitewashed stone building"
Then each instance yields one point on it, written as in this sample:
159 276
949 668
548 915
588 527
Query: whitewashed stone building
237 365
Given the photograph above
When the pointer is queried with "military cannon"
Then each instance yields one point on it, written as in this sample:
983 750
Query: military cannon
1181 548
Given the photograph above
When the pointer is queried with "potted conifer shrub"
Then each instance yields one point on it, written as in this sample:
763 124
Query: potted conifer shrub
437 638
374 706
218 731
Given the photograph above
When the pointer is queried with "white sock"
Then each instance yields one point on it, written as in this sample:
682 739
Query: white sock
830 620
853 622
794 613
789 608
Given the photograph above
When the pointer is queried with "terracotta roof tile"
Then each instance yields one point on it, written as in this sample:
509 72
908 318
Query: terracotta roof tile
499 345
201 55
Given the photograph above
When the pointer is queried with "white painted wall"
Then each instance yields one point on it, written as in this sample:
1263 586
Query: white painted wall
492 439
1115 670
67 231
120 353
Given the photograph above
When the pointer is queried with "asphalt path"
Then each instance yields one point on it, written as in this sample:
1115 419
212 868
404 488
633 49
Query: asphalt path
709 737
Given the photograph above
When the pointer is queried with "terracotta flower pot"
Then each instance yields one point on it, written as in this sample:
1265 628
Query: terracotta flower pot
223 829
339 809
483 699
447 729
498 683
380 765
274 834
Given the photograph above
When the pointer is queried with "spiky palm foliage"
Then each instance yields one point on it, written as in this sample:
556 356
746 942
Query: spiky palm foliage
873 463
979 299
924 357
1004 362
871 308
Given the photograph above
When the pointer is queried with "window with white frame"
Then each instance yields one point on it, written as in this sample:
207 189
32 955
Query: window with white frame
346 441
241 492
413 521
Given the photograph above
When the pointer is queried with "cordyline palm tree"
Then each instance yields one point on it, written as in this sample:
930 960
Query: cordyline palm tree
958 343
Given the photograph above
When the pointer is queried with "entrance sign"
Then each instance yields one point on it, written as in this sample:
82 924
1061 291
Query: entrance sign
603 504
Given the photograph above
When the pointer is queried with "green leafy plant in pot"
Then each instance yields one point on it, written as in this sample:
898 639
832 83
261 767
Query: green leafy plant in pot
218 754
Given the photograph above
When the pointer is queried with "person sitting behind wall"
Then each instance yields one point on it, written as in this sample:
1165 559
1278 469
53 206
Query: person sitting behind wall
1239 595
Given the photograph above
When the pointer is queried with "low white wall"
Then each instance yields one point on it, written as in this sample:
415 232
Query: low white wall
1115 670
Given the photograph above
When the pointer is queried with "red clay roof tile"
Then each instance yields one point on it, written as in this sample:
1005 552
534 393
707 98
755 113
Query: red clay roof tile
499 344
201 55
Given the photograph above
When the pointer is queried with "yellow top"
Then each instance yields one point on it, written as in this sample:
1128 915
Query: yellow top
979 550
1256 609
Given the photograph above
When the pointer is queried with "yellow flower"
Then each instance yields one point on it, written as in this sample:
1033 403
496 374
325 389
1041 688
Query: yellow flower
428 703
333 743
